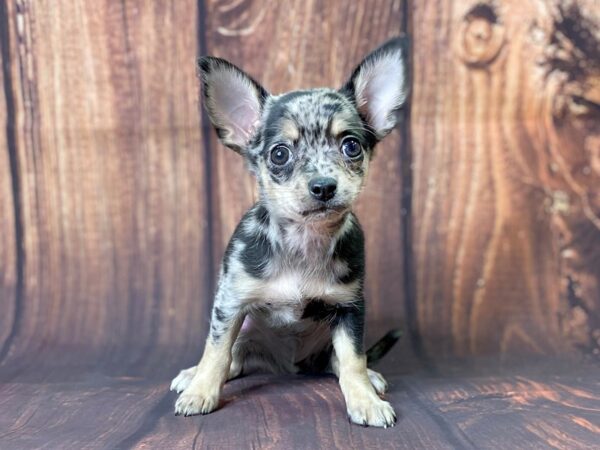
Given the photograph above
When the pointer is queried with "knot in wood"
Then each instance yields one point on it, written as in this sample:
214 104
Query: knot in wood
480 36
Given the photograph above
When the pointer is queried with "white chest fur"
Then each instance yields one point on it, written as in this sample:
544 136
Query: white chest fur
287 293
296 286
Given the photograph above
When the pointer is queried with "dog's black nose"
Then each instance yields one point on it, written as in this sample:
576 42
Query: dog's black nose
322 188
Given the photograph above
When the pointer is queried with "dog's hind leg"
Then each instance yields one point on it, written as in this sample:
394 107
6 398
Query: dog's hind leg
185 376
183 379
260 349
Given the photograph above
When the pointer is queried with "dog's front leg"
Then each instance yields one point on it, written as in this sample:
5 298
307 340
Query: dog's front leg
349 363
202 394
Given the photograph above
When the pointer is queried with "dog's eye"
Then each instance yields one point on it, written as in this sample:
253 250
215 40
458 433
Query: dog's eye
351 148
280 155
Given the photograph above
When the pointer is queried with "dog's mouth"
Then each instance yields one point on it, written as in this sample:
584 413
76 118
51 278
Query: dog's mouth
323 210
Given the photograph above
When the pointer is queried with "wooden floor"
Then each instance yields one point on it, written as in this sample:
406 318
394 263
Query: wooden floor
475 404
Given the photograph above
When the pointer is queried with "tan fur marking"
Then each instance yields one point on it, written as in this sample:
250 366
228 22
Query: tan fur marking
289 130
339 124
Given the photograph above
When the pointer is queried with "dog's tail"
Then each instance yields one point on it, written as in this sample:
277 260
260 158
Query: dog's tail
383 345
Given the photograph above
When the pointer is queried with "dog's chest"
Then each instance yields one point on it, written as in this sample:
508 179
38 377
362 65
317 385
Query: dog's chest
309 282
283 297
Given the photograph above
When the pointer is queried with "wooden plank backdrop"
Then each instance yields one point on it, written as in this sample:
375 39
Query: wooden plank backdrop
8 235
296 49
108 156
506 207
482 216
482 212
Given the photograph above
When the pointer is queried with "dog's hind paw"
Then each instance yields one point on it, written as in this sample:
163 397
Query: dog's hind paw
183 380
377 381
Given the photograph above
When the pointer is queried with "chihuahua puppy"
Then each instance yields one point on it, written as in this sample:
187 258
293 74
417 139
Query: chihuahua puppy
290 290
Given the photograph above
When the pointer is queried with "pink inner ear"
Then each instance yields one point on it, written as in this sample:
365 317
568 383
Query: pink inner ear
247 324
236 105
380 90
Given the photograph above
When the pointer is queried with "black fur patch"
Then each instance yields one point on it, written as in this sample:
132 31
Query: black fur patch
219 314
351 316
258 250
351 249
280 174
228 252
316 362
256 255
277 111
252 156
331 108
363 132
220 320
319 311
262 215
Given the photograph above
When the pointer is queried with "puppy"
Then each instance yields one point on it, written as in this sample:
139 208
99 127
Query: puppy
290 290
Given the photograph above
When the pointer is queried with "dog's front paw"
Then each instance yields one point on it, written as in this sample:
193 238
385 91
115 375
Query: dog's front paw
192 403
183 380
377 381
371 411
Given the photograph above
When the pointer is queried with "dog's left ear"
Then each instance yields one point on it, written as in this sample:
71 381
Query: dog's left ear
379 85
234 101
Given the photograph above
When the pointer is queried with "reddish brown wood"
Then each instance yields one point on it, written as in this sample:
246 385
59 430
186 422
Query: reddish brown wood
505 207
484 406
116 201
125 202
112 176
8 238
298 44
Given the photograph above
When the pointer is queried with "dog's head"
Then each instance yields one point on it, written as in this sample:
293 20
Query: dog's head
310 149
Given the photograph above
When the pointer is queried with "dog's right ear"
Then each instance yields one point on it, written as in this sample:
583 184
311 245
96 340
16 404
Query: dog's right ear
234 101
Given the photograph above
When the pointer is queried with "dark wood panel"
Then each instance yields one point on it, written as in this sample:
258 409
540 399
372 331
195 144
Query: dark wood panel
506 181
298 44
480 405
112 175
8 238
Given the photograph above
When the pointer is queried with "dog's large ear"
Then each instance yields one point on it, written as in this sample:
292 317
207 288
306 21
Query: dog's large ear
379 85
234 101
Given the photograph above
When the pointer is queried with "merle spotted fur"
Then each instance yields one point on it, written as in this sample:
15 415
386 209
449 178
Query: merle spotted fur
290 291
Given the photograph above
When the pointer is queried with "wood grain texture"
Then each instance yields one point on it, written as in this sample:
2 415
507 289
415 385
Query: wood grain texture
505 203
124 200
543 404
482 406
116 202
112 179
302 44
8 229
